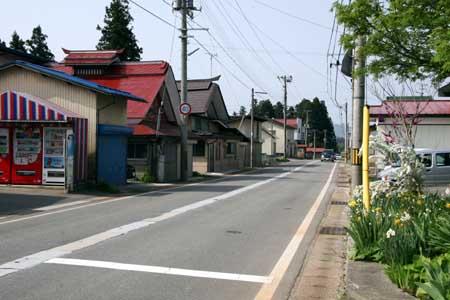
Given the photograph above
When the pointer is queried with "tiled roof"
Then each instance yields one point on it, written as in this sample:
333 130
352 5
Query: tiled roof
24 56
166 129
143 79
422 107
73 79
289 122
86 57
201 93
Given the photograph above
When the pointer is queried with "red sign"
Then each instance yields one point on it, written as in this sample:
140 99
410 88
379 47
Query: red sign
185 108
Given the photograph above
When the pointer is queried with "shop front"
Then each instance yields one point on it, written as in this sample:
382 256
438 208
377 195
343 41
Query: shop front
40 143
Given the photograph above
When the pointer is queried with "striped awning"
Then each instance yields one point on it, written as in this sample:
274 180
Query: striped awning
15 106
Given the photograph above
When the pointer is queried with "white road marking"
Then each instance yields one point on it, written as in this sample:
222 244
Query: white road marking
268 289
159 270
56 206
40 257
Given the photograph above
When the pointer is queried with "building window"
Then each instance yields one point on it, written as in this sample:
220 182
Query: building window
198 149
137 151
443 159
199 124
231 148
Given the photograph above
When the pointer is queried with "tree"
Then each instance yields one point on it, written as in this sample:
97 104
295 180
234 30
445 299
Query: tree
242 111
264 109
291 113
278 110
118 31
2 43
17 43
406 38
37 44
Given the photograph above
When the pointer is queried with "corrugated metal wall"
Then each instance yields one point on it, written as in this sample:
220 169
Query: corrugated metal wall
76 99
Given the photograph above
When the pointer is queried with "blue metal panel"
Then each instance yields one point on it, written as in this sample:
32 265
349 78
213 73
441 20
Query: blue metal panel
112 154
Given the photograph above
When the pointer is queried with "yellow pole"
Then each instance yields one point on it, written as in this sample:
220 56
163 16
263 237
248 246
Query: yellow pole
365 159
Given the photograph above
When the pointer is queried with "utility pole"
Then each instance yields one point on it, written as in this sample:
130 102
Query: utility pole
325 138
307 126
251 127
285 79
346 133
359 82
185 7
314 130
211 57
252 108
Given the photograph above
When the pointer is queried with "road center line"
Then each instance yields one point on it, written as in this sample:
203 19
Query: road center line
40 257
115 200
159 270
268 289
56 206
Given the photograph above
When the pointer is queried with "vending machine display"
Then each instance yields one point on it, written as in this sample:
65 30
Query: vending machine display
5 156
27 164
54 156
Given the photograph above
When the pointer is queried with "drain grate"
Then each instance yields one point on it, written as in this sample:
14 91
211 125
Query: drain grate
339 203
333 230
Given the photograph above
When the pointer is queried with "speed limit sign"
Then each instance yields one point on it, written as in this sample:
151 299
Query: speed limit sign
185 108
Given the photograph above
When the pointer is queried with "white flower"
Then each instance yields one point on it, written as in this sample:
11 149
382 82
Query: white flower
447 191
406 217
390 233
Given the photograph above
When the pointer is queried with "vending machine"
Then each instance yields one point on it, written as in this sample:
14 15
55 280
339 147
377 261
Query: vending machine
27 153
54 156
5 156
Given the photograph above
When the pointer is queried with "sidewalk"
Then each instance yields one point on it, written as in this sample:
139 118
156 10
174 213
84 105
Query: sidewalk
327 272
323 272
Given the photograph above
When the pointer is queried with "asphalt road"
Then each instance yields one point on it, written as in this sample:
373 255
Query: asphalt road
222 239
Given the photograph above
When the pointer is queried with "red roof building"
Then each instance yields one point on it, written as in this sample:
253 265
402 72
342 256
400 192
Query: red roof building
291 122
155 122
154 81
422 107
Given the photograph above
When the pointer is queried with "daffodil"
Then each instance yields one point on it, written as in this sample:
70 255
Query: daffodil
378 210
447 205
397 221
352 203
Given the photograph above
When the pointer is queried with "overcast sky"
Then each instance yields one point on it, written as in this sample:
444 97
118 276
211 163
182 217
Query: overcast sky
72 25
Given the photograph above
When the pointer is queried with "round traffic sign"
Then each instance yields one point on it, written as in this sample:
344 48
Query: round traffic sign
185 108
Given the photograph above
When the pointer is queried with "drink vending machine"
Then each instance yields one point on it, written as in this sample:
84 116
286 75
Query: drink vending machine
54 163
27 154
5 156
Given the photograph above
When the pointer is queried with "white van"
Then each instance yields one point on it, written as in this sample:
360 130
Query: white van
436 163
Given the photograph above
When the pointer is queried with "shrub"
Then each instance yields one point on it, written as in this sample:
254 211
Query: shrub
147 177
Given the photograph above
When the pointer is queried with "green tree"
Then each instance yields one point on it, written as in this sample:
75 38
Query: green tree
17 43
278 110
406 38
37 44
291 113
2 43
242 111
264 109
118 31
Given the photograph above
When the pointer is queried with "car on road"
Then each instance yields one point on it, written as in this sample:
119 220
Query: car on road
436 167
328 155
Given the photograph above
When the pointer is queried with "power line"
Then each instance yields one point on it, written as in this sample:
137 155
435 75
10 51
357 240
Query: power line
153 14
291 15
200 44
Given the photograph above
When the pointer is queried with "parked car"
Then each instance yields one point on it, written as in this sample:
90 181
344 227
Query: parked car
328 155
338 156
436 167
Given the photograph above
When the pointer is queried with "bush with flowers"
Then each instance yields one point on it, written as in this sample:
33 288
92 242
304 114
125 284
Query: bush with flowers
405 228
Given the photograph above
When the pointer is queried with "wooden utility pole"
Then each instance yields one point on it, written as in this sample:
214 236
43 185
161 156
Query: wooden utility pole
285 79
